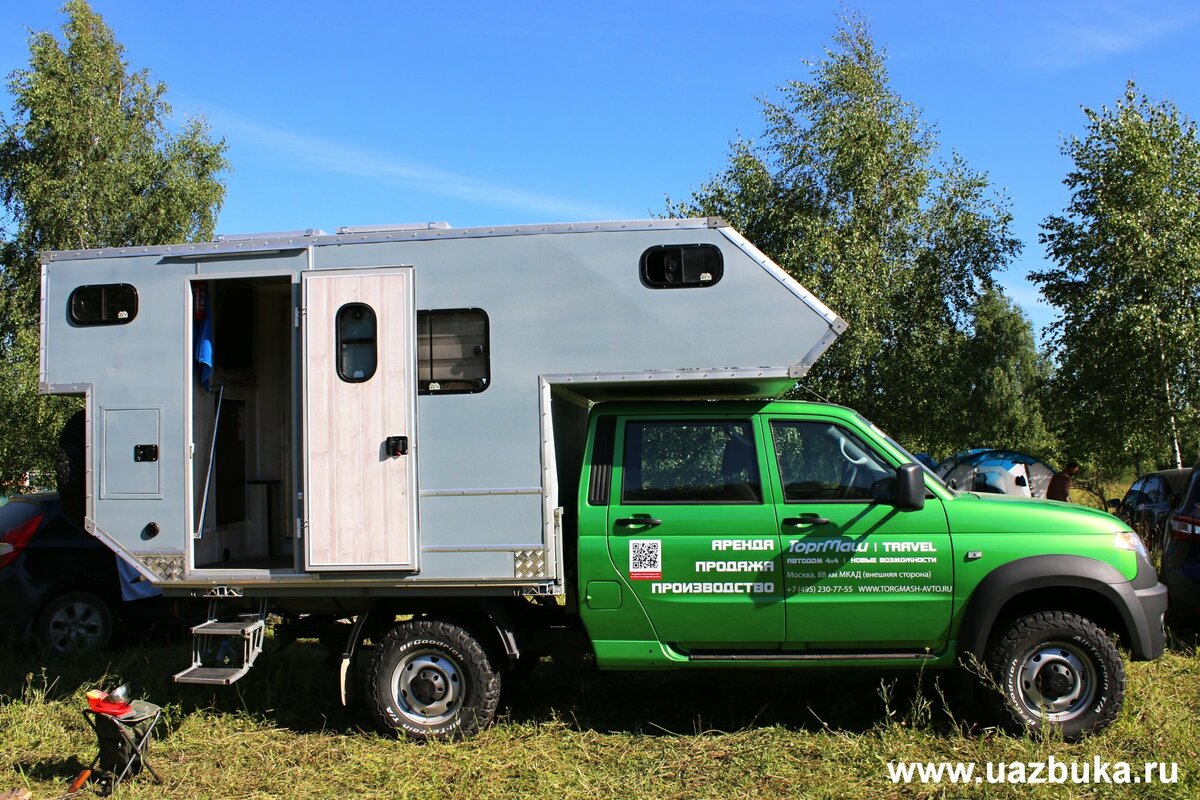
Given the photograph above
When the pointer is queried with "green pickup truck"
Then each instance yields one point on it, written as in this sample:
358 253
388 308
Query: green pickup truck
792 535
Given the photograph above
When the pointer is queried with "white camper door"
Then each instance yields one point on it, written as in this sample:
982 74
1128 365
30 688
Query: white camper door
359 389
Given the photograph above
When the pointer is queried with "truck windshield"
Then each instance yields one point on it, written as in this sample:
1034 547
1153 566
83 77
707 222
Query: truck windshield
913 459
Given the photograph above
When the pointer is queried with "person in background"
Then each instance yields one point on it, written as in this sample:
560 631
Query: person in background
1060 484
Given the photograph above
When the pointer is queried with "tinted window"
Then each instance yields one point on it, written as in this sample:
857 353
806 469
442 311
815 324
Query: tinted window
821 462
452 351
682 266
103 304
690 462
356 344
1156 492
1136 493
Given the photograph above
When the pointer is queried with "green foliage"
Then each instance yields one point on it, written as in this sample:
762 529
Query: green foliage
1126 286
1002 376
845 194
86 160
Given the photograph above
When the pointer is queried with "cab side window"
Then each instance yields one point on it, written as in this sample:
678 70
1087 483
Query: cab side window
689 462
821 462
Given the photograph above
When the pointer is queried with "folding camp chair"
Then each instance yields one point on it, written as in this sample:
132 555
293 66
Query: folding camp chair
123 740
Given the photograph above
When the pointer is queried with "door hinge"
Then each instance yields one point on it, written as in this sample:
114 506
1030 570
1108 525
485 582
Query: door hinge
299 313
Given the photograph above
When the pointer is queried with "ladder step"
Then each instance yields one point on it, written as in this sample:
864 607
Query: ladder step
217 676
222 628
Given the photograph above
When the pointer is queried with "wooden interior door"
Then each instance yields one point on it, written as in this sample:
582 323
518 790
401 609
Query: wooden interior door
359 436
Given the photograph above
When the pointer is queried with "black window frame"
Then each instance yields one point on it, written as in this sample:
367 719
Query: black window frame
373 340
103 288
622 498
422 385
650 282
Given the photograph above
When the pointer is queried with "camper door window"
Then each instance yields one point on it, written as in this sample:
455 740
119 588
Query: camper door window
357 355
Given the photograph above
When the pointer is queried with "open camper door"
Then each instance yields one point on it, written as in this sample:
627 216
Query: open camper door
359 385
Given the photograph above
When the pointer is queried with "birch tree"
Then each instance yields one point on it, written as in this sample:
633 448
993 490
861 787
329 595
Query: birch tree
1126 285
846 191
86 160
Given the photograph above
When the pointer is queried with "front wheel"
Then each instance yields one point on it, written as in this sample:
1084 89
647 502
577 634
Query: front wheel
1058 670
432 680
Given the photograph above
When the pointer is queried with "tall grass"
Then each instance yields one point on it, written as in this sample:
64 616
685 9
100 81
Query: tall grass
282 732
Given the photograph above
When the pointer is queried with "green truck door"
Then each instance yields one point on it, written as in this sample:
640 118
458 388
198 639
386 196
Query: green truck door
691 530
858 573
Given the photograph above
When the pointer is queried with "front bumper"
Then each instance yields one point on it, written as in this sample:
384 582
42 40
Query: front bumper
1150 616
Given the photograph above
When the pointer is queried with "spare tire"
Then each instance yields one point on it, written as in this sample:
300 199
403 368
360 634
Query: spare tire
70 467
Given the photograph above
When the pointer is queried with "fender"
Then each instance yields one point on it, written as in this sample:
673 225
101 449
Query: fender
1052 572
495 613
352 642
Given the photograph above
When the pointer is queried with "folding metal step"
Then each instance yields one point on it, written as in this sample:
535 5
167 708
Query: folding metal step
243 628
213 676
223 650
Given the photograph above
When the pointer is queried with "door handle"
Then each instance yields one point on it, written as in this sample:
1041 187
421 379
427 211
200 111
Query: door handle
640 519
807 519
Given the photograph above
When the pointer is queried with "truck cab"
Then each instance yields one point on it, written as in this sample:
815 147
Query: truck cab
791 534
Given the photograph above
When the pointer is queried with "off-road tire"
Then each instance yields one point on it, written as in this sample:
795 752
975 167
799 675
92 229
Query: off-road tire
430 679
1056 669
74 623
69 467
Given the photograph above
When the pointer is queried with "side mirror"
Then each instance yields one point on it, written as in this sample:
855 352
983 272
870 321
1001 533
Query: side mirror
1114 504
910 487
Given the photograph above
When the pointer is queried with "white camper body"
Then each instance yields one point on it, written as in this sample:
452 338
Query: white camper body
391 409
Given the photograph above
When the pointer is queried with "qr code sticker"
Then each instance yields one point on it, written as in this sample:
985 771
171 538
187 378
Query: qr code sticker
645 559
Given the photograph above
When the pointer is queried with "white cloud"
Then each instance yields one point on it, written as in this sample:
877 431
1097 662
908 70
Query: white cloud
1075 35
311 152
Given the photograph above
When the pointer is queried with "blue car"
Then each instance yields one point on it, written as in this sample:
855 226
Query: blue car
62 586
1181 553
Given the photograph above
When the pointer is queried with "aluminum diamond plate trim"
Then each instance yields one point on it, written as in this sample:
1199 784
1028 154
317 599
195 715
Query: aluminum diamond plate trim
529 563
167 568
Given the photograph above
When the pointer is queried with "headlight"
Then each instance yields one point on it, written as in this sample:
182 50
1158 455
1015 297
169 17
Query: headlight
1128 540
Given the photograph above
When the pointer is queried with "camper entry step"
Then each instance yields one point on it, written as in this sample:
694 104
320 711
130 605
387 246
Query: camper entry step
218 676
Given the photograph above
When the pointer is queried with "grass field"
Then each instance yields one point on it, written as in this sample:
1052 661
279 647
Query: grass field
281 732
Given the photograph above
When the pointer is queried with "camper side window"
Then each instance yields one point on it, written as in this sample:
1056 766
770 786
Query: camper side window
452 351
103 304
357 355
682 266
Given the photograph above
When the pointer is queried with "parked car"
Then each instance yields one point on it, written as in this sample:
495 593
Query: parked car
1180 566
60 585
1148 503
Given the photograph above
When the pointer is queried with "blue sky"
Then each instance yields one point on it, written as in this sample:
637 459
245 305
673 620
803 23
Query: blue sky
501 113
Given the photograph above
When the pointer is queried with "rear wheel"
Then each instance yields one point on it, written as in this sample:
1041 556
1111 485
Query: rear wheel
74 623
1058 670
432 680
